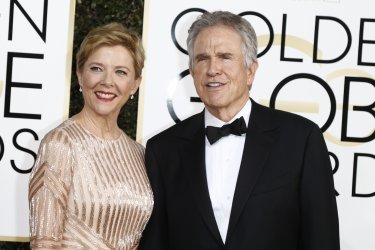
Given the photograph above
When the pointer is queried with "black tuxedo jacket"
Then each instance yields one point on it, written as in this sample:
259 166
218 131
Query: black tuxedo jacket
284 197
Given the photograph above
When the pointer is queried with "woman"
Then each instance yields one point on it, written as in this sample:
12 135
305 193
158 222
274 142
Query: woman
88 188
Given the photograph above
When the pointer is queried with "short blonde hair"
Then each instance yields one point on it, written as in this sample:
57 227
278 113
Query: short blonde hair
112 34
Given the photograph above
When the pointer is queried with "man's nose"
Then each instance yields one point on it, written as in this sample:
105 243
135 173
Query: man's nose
214 68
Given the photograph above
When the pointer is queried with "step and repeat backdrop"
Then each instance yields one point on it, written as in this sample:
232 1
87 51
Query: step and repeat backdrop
316 59
36 40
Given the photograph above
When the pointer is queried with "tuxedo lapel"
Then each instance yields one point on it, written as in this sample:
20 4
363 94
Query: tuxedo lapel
194 159
258 144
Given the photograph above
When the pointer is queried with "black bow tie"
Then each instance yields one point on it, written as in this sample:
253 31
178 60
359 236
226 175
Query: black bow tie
237 127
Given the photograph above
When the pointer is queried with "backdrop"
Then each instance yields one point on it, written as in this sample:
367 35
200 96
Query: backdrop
35 67
316 59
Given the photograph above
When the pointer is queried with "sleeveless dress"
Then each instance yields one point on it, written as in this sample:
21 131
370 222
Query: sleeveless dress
86 192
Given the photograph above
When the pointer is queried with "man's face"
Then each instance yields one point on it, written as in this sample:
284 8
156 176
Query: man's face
221 78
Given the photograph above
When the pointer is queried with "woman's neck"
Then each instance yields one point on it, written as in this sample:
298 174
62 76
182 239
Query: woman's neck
104 127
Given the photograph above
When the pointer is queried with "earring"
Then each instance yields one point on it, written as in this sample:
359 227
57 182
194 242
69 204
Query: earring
131 97
80 89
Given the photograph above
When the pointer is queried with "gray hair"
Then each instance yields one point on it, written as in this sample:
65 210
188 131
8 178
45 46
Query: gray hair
236 22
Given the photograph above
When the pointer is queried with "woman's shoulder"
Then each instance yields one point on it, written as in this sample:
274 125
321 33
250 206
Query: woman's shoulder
55 150
134 145
59 134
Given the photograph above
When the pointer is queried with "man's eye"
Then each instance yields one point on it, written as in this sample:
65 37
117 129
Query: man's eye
200 59
226 57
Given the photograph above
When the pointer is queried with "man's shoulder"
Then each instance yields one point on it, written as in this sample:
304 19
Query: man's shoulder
281 118
183 129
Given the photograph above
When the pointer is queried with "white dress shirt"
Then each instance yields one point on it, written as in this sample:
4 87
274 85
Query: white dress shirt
223 159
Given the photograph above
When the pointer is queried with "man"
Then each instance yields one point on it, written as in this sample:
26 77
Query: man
267 186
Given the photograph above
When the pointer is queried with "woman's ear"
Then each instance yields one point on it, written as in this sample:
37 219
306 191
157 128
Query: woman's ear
79 76
137 83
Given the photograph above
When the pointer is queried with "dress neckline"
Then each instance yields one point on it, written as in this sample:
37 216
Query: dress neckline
72 120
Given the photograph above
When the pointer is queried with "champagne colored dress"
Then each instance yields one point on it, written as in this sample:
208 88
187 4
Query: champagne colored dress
86 192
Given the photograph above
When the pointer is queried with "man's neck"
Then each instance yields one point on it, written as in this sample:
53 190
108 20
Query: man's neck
226 114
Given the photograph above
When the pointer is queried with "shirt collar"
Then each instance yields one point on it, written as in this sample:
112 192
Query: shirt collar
211 120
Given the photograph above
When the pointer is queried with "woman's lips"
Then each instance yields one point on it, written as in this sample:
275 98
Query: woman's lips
105 96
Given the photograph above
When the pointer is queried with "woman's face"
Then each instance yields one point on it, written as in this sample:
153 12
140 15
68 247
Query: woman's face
107 80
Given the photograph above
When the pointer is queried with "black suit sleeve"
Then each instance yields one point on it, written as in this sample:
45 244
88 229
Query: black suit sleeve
155 234
319 219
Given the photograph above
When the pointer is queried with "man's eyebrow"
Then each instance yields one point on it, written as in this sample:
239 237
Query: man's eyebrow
201 56
225 55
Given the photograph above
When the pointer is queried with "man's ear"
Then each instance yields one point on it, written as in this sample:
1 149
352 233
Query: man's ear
251 73
191 71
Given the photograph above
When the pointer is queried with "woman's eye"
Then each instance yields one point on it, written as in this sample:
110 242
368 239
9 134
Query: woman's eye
121 72
95 69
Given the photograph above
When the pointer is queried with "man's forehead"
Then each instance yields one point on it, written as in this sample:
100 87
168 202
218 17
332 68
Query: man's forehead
217 48
218 36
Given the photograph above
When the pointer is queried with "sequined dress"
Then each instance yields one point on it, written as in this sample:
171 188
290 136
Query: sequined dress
86 192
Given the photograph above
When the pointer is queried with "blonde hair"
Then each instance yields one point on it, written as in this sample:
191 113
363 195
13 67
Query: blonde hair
112 34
